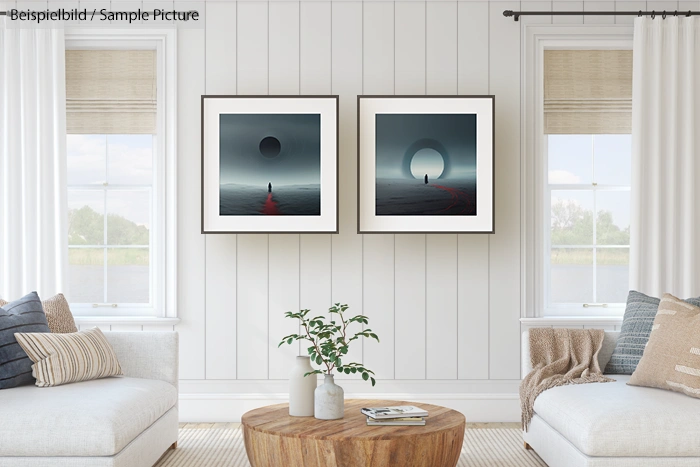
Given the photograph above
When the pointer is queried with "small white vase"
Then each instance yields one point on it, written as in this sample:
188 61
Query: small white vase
329 400
301 389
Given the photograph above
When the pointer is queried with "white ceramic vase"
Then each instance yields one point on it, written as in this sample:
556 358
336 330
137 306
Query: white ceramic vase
329 401
301 389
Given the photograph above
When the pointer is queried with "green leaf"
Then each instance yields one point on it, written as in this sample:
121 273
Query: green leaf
290 340
337 361
373 381
365 376
319 360
354 370
348 370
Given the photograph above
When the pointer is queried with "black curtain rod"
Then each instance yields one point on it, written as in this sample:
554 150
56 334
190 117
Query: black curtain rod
517 14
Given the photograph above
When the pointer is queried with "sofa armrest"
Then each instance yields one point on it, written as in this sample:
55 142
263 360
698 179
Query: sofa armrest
150 355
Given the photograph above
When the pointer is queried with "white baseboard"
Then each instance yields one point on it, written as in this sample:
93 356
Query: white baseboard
229 407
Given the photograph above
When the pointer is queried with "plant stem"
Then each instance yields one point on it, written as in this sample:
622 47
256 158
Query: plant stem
318 351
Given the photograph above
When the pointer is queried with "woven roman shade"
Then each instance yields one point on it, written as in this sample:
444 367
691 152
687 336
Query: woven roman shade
111 91
588 91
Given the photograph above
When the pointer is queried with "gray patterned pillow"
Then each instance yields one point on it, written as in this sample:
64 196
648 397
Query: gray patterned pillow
636 326
23 315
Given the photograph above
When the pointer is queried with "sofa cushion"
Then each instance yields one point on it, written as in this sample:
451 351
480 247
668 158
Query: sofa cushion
91 418
616 420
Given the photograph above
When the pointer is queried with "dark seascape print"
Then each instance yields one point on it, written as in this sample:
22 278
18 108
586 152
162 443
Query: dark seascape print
270 164
426 165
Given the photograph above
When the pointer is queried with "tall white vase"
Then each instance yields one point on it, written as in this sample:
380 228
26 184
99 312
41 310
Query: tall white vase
329 400
301 389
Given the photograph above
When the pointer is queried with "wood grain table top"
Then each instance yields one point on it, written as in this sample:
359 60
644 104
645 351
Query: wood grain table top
275 419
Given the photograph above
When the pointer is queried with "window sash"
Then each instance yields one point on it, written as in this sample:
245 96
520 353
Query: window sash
567 308
121 308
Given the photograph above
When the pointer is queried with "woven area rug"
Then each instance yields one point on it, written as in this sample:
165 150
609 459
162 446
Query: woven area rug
214 447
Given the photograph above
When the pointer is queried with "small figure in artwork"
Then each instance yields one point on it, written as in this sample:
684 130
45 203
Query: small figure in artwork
426 179
269 186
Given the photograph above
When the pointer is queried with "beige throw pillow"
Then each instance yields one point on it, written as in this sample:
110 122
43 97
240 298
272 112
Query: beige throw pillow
671 359
67 358
58 314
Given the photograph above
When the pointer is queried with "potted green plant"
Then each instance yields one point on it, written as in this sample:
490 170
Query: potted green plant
330 339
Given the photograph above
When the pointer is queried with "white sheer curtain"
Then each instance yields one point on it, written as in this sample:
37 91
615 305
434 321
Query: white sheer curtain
665 230
33 217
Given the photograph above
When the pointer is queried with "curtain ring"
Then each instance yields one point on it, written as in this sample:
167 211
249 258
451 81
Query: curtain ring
688 15
675 13
663 16
653 14
640 14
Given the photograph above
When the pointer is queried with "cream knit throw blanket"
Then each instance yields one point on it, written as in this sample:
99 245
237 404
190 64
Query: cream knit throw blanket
560 357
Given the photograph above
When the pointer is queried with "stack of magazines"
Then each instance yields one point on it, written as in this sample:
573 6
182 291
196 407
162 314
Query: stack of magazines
403 415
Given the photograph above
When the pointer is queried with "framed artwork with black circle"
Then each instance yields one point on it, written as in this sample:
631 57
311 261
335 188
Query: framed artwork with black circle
425 164
269 164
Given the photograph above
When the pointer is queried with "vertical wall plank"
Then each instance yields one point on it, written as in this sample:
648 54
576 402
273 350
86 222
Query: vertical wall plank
315 273
253 307
221 306
378 291
409 303
252 21
441 307
252 265
283 295
378 250
441 45
567 6
191 256
284 47
473 250
221 249
378 48
410 61
347 83
598 6
315 63
441 250
283 260
504 252
473 61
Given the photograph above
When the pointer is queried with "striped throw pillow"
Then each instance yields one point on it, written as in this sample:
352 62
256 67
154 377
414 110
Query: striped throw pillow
23 315
672 357
68 358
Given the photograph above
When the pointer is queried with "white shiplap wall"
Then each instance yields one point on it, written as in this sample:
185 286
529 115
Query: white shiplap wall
447 307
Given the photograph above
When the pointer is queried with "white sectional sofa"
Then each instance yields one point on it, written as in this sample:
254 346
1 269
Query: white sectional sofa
127 421
612 424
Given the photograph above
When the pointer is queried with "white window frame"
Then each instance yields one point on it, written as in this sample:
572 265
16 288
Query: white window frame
535 226
163 247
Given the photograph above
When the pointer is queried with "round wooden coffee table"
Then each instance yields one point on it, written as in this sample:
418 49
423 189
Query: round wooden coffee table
273 438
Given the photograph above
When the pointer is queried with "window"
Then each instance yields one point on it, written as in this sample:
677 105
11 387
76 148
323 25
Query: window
110 218
588 196
586 153
120 173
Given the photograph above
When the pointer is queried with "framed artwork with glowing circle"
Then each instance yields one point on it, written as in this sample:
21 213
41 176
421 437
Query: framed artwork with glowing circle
425 164
269 164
